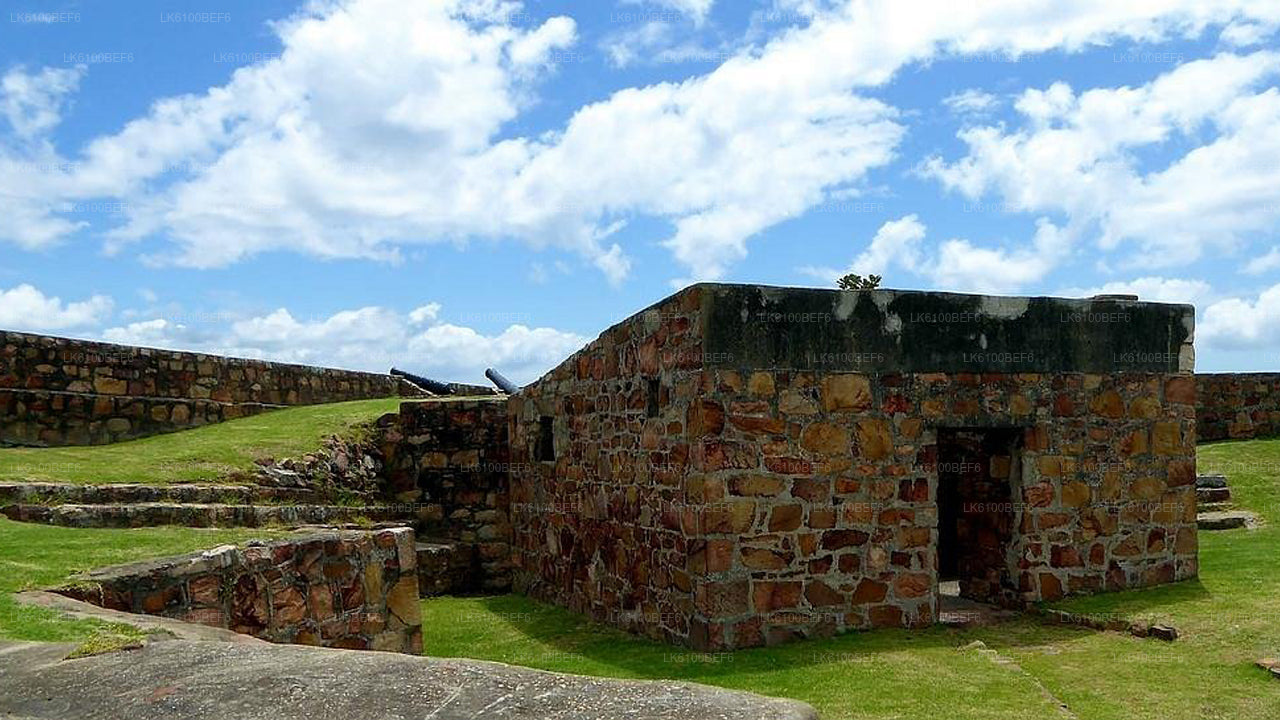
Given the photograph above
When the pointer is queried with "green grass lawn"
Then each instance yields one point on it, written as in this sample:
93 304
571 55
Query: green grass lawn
1228 619
34 557
199 455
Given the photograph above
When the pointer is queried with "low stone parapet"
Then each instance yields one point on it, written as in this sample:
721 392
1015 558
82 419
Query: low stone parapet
343 589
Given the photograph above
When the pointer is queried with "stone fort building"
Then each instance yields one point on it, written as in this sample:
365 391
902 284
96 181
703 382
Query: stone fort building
741 465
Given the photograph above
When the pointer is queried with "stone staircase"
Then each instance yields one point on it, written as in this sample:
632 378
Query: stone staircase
126 506
1215 510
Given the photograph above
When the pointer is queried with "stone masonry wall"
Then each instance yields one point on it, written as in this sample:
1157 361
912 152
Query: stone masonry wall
59 391
447 461
1238 406
349 589
830 483
740 466
599 483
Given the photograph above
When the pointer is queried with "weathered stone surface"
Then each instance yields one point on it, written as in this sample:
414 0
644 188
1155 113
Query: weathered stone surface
1227 520
214 681
268 595
846 392
1235 405
816 470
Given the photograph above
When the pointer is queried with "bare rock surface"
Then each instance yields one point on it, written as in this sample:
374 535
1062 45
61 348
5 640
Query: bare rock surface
221 681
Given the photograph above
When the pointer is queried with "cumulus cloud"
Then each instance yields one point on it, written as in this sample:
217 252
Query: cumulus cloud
1243 34
32 102
1264 263
1154 289
896 245
971 103
33 178
369 338
957 264
1243 324
425 314
156 332
383 123
1079 154
27 308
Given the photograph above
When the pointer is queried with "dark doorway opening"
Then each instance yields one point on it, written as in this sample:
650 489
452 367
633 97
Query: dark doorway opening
977 468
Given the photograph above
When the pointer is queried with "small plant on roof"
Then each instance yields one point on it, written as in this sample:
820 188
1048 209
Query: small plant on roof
857 282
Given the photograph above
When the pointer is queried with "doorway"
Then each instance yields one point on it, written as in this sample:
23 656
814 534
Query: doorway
977 468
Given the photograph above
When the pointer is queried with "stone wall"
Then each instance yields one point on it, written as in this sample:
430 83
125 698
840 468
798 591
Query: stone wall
740 466
601 488
348 589
1238 406
447 460
58 391
830 483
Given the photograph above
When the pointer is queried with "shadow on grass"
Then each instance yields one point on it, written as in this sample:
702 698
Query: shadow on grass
622 653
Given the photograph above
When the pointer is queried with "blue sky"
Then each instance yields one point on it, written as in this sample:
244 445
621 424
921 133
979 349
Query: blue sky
450 185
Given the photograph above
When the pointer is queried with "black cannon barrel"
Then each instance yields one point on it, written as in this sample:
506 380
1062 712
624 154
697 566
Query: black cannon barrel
431 386
503 384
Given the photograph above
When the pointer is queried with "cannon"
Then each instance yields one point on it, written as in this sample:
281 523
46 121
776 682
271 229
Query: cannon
503 384
432 386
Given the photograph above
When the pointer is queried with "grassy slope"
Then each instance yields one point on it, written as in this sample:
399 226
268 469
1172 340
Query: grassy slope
40 556
1227 620
203 454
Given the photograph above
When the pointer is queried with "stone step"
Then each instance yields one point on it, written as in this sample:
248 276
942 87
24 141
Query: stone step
198 515
1211 495
1211 481
45 493
447 567
1230 520
1214 507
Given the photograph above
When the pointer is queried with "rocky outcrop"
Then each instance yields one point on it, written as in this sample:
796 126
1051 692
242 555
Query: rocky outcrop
217 681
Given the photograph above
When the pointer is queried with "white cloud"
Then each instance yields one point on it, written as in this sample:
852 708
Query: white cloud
1243 34
1154 289
427 314
627 47
32 176
971 103
26 308
1078 154
382 124
146 333
961 265
369 338
1264 263
957 264
1241 324
896 245
32 103
653 42
696 10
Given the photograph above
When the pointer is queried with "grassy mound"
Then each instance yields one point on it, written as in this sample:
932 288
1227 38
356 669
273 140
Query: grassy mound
199 455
